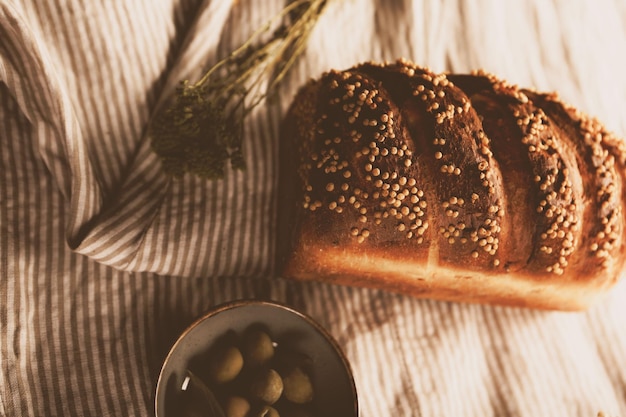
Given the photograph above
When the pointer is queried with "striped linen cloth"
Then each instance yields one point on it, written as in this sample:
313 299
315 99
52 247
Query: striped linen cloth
104 260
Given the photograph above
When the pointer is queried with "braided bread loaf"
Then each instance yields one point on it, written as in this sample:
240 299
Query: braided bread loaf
453 187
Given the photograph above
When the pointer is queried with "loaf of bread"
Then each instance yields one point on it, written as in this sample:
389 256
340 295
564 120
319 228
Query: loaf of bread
451 187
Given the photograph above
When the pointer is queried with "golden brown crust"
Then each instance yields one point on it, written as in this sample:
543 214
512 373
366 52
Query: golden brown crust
455 187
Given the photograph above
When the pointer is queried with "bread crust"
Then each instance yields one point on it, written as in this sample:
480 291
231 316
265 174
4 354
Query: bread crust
452 187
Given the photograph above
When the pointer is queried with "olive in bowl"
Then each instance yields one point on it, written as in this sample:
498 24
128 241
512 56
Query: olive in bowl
278 360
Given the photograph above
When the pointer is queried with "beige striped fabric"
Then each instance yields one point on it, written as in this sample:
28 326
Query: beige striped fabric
104 260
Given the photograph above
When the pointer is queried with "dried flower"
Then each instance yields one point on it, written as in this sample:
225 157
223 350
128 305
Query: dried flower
202 129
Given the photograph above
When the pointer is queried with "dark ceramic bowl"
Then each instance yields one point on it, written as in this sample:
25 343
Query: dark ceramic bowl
335 391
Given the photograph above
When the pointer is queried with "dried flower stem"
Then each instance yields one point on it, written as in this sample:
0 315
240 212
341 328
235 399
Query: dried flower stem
203 127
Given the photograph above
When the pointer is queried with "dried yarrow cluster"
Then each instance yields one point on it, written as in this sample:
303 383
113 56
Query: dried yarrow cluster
202 129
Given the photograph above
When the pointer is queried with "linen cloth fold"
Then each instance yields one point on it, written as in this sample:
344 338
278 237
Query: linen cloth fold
104 260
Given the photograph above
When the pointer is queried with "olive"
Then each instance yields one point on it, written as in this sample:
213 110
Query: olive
297 386
266 386
257 347
225 364
268 411
236 406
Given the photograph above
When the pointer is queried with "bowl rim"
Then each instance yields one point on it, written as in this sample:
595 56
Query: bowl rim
229 305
